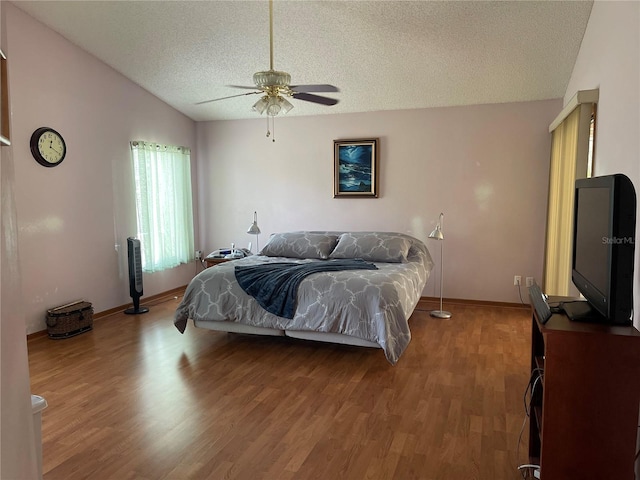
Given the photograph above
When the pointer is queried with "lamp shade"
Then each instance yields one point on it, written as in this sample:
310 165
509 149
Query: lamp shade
254 229
437 232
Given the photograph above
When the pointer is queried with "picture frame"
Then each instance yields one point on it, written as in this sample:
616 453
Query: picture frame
355 168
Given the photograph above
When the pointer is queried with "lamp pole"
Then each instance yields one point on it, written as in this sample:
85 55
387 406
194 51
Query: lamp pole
438 235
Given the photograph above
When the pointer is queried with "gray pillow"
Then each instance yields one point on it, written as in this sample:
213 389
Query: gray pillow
373 247
300 245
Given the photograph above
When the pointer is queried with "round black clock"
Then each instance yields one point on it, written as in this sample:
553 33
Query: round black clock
48 147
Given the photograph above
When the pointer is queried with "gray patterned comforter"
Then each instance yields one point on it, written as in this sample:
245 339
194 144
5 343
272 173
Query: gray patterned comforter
373 305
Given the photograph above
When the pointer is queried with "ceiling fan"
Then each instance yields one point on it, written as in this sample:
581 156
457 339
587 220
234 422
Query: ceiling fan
274 86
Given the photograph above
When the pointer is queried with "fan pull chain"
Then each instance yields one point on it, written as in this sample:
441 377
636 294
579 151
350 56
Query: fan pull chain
273 127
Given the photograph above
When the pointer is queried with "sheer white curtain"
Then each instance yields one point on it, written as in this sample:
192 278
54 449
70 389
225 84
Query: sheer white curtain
162 175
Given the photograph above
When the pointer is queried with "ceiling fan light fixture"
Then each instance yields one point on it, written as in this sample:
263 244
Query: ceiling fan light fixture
273 109
285 104
271 78
261 105
273 105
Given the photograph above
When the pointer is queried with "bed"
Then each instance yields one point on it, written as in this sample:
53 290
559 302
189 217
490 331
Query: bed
364 307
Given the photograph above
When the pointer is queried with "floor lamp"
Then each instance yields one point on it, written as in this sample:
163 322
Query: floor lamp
255 230
437 235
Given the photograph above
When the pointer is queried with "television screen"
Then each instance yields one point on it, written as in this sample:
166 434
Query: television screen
592 231
603 249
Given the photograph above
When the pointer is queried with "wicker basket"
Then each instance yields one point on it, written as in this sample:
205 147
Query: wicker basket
70 319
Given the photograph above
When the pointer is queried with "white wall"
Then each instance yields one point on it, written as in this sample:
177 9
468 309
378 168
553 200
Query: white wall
72 216
485 167
609 59
17 443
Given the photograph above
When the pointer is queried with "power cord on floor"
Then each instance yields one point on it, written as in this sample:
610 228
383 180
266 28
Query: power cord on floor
528 469
202 264
520 294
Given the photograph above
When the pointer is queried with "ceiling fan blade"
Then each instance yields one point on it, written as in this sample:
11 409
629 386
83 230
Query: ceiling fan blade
224 98
307 97
314 88
242 86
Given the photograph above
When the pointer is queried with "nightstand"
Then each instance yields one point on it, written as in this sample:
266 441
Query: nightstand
212 262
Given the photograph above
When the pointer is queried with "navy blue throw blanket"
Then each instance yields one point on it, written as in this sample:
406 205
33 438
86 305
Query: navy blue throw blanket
275 285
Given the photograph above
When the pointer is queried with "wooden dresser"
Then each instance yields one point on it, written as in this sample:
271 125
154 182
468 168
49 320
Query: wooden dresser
584 407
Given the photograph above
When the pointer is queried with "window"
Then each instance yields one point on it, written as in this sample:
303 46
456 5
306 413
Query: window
573 140
164 212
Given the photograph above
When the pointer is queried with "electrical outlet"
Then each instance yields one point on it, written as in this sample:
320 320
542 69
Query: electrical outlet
530 281
517 280
198 254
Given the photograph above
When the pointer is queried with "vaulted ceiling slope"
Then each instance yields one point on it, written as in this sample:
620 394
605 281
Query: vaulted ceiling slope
383 55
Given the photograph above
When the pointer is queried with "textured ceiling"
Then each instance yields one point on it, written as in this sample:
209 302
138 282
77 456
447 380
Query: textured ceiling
383 55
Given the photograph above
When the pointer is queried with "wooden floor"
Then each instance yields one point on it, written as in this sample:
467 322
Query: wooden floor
134 399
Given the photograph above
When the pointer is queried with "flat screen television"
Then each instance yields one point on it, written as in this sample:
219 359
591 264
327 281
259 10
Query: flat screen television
603 249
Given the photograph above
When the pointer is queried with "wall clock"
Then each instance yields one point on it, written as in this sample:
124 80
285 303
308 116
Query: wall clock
48 147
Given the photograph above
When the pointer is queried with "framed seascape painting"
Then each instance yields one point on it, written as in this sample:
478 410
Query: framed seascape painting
355 168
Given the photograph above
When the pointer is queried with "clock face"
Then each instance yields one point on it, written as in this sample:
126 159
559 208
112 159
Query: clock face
48 147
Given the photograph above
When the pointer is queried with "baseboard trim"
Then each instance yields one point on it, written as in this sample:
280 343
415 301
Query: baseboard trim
150 300
461 301
421 306
41 333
